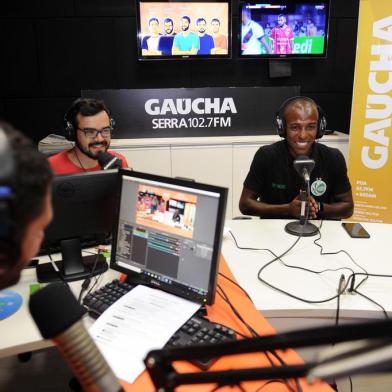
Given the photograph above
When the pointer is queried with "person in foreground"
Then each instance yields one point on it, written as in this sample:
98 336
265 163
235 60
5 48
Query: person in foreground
272 186
28 209
87 123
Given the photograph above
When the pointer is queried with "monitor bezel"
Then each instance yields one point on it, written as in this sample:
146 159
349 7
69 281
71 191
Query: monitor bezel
135 277
295 56
227 56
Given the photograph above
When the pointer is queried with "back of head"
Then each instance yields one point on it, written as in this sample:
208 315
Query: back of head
86 107
29 186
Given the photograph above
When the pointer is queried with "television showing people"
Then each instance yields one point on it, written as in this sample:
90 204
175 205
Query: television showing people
280 28
183 29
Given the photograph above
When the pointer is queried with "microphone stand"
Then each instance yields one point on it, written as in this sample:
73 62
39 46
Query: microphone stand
302 228
366 348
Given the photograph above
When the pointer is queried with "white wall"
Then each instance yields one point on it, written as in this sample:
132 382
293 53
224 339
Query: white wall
222 161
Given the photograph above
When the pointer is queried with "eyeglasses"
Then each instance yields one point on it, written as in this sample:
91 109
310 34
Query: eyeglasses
92 133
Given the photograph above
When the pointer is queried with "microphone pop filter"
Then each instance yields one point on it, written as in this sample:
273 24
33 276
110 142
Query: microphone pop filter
302 163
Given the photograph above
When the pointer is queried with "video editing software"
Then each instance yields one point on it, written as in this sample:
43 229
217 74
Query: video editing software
169 233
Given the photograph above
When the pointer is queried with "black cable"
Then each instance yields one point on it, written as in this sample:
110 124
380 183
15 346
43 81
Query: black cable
374 302
236 284
255 334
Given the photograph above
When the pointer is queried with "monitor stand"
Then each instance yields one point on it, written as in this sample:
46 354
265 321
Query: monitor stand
72 266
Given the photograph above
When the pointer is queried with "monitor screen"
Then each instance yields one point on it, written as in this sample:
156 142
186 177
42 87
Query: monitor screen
284 29
83 216
183 29
169 234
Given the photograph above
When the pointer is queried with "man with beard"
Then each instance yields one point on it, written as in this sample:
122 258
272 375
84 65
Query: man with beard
186 42
25 203
166 41
206 40
88 123
283 37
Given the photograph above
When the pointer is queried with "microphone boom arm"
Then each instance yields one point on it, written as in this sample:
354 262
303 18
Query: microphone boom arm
163 374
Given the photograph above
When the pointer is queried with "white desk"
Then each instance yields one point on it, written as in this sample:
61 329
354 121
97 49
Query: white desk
372 254
18 332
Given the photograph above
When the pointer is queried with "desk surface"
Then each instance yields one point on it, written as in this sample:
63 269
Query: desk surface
371 254
22 335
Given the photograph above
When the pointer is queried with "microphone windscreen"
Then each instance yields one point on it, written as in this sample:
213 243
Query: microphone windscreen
302 162
54 309
108 161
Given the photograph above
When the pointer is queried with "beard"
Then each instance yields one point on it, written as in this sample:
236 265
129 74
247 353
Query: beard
185 28
202 31
86 151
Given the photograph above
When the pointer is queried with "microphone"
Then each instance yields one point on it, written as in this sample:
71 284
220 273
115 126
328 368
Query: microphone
108 161
304 166
58 315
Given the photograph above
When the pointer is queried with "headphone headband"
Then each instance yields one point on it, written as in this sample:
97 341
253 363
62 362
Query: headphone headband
280 121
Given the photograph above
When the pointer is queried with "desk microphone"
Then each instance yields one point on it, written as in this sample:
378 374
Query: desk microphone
58 315
304 166
108 161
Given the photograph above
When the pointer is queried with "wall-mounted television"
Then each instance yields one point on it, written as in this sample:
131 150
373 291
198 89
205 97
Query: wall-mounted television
183 29
284 29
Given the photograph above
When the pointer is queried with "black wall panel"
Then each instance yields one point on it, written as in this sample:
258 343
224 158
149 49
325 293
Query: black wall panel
19 76
54 49
76 53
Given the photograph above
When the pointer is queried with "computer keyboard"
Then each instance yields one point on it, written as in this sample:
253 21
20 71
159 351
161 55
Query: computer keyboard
197 330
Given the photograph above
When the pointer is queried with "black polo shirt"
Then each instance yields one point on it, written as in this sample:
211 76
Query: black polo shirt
273 177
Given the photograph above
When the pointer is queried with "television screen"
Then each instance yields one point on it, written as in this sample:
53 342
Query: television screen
184 29
284 28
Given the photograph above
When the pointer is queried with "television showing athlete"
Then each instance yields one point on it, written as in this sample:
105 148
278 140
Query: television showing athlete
282 36
185 42
206 40
252 35
150 43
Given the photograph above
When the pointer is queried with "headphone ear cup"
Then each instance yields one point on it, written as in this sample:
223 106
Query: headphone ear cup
112 123
322 123
69 131
279 126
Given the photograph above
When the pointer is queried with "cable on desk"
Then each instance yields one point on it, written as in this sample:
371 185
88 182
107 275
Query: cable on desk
253 333
236 284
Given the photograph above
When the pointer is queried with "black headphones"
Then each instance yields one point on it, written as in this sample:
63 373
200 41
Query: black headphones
7 169
280 122
72 112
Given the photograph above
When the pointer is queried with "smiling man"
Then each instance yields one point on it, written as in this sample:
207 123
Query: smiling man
87 123
272 186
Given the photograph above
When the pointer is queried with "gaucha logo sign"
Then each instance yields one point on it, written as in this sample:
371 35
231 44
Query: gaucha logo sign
191 113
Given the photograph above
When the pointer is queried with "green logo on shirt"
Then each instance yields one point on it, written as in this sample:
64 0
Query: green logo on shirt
278 186
318 187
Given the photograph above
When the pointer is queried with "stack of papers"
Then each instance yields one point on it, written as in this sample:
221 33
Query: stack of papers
142 320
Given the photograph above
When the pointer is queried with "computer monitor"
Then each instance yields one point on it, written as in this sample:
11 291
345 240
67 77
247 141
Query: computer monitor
183 29
169 234
84 209
284 29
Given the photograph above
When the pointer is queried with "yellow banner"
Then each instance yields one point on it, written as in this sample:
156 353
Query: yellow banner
370 158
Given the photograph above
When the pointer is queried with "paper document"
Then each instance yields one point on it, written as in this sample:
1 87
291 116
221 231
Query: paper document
142 320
